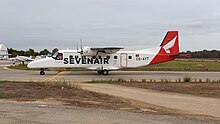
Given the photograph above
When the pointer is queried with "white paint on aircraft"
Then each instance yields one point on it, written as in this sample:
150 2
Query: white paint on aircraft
107 58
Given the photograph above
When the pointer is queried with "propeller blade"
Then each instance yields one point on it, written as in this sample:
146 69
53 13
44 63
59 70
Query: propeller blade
81 44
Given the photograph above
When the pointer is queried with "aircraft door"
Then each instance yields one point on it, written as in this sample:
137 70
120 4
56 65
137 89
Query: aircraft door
123 59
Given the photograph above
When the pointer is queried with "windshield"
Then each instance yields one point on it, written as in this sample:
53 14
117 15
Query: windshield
55 54
58 56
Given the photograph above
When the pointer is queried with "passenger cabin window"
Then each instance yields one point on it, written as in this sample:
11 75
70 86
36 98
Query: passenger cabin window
129 57
115 57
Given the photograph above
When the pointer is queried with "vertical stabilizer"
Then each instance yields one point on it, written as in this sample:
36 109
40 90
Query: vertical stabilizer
169 48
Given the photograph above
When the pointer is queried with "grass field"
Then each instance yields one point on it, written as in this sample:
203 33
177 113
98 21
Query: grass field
4 96
19 67
180 65
177 65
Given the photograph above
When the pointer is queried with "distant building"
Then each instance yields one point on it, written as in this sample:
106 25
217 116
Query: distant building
3 52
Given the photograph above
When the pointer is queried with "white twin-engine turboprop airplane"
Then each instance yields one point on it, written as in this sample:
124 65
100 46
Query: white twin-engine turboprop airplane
106 59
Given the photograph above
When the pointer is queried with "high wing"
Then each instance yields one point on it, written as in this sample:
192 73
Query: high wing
107 50
4 56
22 58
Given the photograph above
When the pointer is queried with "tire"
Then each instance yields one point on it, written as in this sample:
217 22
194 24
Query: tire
105 72
42 73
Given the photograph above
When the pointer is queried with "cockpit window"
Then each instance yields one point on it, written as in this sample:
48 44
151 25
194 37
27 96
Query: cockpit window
55 54
58 56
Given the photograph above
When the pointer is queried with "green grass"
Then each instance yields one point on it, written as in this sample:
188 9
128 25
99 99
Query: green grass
59 84
8 81
19 67
107 81
4 96
182 66
186 79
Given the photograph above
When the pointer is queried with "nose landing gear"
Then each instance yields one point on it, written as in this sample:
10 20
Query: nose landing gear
42 72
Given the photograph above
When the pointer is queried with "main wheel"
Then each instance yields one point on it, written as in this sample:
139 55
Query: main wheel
42 73
105 72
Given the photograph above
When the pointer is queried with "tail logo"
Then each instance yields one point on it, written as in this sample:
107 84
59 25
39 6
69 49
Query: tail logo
169 45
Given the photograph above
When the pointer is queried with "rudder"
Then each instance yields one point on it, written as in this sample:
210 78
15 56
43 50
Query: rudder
169 48
171 43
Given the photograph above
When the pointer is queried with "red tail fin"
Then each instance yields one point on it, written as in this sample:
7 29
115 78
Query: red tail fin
171 43
169 48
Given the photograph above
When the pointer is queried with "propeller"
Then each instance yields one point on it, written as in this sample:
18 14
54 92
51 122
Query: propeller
84 51
81 47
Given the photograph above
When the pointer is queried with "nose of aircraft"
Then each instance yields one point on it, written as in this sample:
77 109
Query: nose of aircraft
41 63
32 64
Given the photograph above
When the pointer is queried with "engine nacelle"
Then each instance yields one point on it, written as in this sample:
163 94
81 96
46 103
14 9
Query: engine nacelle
88 52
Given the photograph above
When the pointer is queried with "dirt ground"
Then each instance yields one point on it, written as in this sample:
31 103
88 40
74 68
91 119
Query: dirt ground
197 89
83 98
68 96
76 97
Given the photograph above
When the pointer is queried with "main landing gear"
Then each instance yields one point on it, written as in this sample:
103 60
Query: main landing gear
103 72
42 72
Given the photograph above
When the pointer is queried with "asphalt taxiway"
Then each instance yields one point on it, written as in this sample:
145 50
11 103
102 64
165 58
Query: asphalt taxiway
82 76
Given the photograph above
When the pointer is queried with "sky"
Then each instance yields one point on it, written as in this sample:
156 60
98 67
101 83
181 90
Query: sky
133 24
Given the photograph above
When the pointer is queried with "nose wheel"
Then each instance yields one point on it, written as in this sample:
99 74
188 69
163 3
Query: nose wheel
42 73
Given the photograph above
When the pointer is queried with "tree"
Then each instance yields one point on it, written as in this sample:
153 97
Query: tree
44 52
29 52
